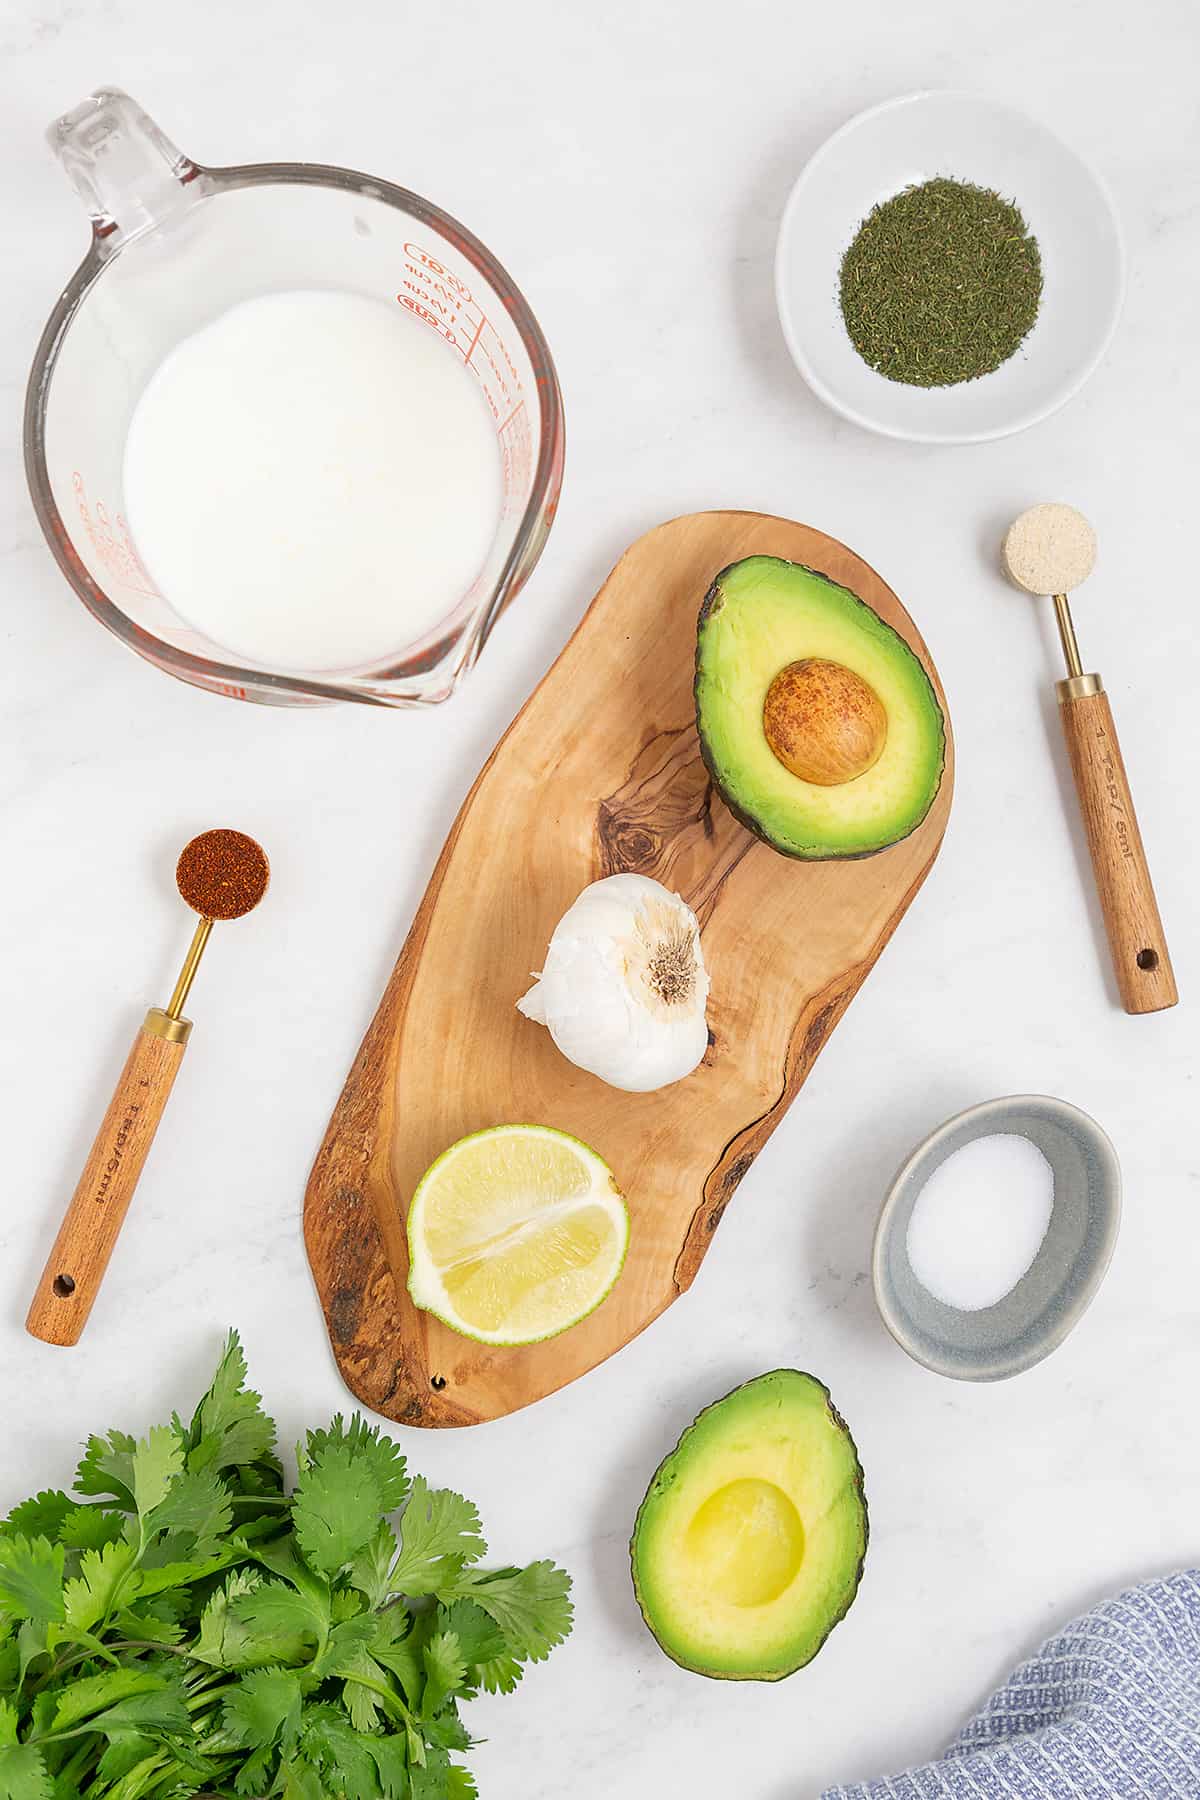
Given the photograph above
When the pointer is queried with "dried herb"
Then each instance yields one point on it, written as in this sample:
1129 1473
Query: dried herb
941 284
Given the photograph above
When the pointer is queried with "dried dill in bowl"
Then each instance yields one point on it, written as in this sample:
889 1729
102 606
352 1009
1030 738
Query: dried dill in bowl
941 284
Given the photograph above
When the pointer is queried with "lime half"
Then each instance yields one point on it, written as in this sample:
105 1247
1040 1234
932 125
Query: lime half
515 1234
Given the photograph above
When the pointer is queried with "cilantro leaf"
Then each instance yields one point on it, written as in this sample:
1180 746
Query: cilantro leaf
93 1693
447 1730
460 1784
123 1752
41 1714
343 1644
445 1670
264 1710
339 1754
349 1654
390 1756
371 1569
500 1674
301 1782
107 1468
335 1511
223 1640
230 1428
531 1606
283 1559
478 1634
283 1625
416 1746
431 1777
360 1700
33 1640
23 1774
370 1450
440 1532
254 1776
90 1528
151 1623
164 1712
155 1462
157 1579
31 1578
8 1724
89 1597
42 1516
196 1502
402 1658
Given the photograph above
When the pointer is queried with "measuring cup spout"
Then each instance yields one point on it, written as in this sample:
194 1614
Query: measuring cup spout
126 170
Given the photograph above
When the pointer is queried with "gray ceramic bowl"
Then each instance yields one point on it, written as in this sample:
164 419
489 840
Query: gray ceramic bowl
1035 1316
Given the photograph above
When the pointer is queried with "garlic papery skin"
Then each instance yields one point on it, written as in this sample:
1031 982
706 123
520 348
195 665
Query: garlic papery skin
624 986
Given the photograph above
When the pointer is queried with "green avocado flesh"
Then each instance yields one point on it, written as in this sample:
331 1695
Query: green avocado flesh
763 614
749 1545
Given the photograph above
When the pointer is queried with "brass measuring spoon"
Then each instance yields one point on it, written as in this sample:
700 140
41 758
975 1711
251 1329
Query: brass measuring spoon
221 874
1049 550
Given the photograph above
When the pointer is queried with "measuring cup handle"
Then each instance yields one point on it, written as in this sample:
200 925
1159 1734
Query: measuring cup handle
126 171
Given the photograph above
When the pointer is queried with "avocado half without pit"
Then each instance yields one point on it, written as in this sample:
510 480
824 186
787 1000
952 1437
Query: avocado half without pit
749 1545
819 726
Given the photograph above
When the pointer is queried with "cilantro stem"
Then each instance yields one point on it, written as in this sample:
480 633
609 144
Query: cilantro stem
106 1652
77 1764
207 1699
385 1693
170 1773
103 1651
60 1737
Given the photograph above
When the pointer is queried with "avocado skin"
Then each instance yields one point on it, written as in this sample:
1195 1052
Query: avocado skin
757 827
696 1668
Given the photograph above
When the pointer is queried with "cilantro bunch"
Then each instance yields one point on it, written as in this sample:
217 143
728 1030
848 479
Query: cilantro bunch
189 1627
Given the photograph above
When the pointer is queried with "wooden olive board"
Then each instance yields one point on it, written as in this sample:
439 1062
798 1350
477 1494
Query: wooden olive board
600 772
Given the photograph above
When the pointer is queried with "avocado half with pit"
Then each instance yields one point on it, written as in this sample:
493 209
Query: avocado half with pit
819 725
749 1545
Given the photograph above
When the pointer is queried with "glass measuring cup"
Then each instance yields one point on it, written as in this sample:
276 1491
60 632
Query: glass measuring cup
174 244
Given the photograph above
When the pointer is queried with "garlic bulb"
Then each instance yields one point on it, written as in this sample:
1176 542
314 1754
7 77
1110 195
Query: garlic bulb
624 987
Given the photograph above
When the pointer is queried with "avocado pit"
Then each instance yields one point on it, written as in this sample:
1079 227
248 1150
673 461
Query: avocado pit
824 723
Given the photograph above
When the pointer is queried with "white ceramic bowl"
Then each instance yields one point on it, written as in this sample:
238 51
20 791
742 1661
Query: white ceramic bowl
970 138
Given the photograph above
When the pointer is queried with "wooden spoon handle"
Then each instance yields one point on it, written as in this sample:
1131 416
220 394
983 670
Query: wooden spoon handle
88 1234
1135 932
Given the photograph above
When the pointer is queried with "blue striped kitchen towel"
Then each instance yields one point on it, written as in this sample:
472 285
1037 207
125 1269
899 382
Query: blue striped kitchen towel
1109 1709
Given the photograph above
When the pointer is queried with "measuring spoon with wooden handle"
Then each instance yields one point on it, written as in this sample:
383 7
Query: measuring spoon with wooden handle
1049 550
221 874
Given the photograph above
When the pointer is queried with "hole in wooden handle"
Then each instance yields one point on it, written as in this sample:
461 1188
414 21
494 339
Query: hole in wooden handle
64 1286
437 1382
1147 959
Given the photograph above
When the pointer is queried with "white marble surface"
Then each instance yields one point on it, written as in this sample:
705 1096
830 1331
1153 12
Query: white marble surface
630 165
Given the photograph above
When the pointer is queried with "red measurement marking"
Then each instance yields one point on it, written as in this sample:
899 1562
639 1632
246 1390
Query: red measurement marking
438 268
476 338
512 415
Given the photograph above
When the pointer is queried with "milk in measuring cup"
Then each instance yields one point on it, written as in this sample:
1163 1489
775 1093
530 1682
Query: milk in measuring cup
313 480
